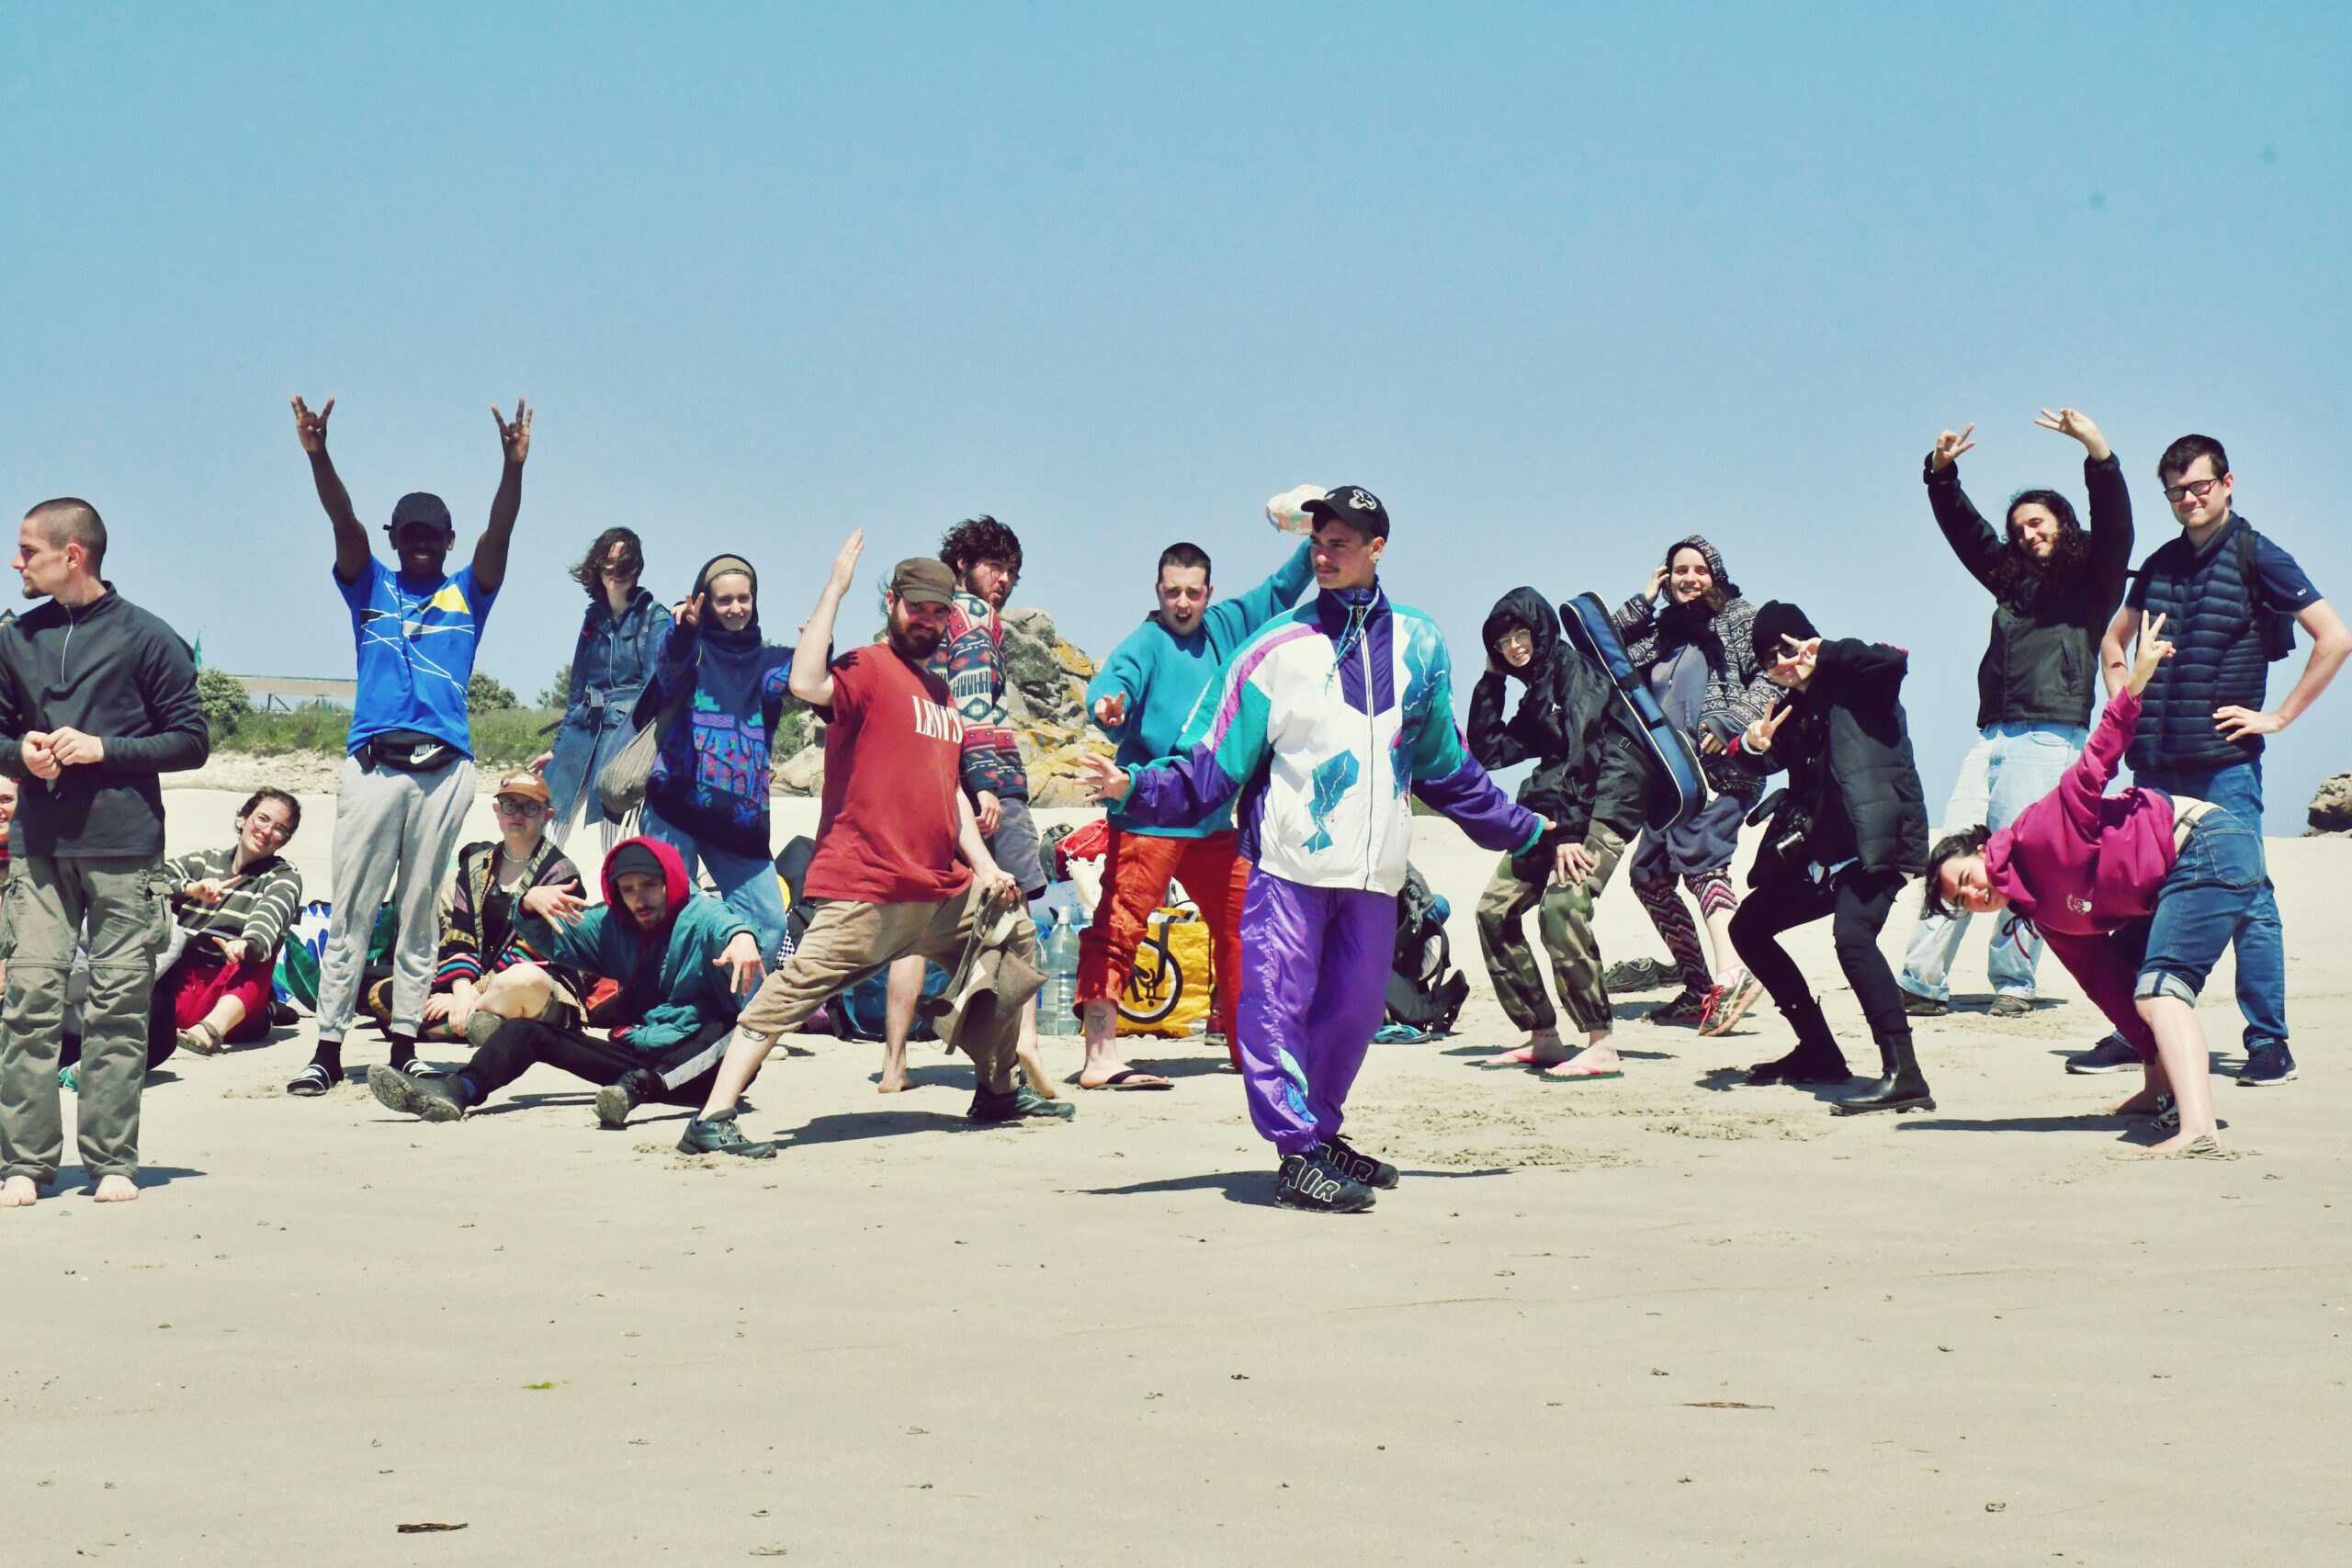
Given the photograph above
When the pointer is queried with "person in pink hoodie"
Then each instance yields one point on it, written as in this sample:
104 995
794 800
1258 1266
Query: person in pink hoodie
2138 892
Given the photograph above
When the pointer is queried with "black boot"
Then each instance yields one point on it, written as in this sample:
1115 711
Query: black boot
1903 1087
1817 1059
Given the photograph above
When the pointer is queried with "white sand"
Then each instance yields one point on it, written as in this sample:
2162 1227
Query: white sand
1655 1321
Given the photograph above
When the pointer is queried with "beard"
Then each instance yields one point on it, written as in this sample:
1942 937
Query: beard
915 644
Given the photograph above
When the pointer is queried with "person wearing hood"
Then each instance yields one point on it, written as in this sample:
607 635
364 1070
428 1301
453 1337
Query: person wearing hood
2138 893
1322 724
2053 587
1698 655
98 699
680 963
620 641
724 691
1591 781
1850 830
1140 698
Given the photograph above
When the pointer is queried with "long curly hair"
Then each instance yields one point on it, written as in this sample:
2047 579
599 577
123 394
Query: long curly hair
2019 578
590 572
978 539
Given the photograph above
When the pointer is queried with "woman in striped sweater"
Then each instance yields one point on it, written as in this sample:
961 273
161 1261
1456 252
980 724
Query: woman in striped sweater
234 905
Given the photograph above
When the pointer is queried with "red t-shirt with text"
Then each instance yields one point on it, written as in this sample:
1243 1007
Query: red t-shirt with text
886 833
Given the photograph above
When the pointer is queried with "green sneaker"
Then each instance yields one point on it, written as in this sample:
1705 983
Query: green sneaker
1020 1105
719 1135
432 1099
70 1079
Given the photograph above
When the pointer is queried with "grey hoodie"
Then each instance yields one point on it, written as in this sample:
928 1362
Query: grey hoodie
110 669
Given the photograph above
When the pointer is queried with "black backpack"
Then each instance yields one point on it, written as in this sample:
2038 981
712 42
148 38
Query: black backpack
1425 991
2276 628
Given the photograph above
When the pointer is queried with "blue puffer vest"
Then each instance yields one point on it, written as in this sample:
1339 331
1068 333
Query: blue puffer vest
2218 659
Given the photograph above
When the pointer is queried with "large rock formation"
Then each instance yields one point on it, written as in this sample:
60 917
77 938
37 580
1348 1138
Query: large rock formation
2331 809
1045 679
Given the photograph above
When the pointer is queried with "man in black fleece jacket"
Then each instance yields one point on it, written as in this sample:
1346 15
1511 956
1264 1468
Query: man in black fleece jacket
97 698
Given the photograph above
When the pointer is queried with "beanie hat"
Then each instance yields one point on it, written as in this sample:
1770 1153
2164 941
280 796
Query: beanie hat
1775 620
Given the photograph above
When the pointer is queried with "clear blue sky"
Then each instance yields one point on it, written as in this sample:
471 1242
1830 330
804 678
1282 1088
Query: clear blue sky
1560 284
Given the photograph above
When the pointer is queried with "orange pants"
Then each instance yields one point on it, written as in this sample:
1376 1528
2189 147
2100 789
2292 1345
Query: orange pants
1135 880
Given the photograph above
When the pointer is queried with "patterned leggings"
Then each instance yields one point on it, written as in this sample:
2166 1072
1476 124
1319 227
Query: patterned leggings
1672 918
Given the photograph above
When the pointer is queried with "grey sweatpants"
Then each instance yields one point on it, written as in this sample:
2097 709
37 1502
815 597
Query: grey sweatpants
390 825
122 898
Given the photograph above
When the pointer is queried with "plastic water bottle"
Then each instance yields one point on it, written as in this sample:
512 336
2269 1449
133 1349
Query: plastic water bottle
1057 1000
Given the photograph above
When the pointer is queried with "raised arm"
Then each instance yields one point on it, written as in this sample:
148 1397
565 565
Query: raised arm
350 539
490 550
2114 665
1964 528
2110 530
812 679
1246 613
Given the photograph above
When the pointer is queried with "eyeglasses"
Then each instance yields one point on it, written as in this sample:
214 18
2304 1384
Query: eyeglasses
517 807
2200 489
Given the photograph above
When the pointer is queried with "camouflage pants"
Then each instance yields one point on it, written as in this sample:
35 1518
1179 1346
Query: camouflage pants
1566 923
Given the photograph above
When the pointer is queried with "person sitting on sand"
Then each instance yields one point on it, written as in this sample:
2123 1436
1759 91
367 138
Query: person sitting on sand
679 962
501 907
1590 778
1851 831
893 823
234 904
2138 892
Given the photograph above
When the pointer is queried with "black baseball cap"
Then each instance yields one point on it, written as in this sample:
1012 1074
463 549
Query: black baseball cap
417 508
1356 506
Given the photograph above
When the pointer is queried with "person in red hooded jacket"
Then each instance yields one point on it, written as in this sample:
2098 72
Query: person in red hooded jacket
2138 892
680 962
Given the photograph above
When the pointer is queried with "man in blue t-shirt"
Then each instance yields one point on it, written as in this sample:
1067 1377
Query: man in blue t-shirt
409 775
2231 601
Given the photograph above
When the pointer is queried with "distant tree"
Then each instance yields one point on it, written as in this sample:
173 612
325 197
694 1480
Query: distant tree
224 700
558 693
485 693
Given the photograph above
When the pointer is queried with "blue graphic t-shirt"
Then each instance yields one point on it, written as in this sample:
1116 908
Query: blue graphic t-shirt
416 642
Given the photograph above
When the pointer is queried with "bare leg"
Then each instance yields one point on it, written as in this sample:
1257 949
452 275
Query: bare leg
1599 1056
898 1019
1543 1049
522 991
226 1014
1721 957
736 1071
18 1192
2180 1047
114 1190
1024 1048
1103 1058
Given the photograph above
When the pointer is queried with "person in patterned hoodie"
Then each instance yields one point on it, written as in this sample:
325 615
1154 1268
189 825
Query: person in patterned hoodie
1322 724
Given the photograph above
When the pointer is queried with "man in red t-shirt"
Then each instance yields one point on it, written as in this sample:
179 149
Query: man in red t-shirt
885 873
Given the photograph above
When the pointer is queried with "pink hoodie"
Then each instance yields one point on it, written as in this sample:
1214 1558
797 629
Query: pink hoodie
2080 863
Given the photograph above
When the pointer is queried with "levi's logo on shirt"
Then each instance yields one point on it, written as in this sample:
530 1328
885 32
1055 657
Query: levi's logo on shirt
935 722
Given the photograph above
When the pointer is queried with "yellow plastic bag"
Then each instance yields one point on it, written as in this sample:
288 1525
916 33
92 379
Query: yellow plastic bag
1170 984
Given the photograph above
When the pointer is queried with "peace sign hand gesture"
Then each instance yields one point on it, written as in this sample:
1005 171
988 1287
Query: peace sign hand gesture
1759 737
515 437
1950 445
1794 668
310 429
2074 423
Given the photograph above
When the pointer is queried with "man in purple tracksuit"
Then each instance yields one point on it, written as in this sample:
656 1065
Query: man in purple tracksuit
1321 723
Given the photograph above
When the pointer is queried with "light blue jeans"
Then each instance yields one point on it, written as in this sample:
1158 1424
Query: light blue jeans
2009 768
746 886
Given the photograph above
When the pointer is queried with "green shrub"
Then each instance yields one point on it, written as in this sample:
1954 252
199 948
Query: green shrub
485 693
226 704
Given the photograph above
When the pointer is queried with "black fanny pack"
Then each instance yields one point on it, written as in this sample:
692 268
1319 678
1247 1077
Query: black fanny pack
408 750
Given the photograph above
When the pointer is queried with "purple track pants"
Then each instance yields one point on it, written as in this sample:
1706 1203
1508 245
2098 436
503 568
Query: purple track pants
1315 968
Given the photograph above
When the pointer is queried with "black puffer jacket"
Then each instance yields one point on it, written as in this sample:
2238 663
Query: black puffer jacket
1848 751
1590 766
2042 666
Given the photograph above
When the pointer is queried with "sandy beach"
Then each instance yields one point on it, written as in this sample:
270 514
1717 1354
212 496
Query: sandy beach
1661 1320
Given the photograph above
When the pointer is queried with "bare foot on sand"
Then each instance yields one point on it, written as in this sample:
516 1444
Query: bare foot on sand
2188 1146
1032 1067
18 1192
1544 1048
894 1069
114 1190
2144 1103
1592 1062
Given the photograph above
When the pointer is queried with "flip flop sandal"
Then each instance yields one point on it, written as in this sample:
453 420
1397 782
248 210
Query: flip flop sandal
311 1082
1580 1078
1513 1061
202 1039
1127 1079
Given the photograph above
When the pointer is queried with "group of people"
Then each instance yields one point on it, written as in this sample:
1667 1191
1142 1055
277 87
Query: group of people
1270 750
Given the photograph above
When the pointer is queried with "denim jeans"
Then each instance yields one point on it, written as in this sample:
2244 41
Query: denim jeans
2009 768
2206 902
2261 944
746 885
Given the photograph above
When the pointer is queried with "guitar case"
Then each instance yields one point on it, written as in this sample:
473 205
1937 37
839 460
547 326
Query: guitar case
1585 621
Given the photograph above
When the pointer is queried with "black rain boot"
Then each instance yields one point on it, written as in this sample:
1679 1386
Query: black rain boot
1904 1087
1817 1059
